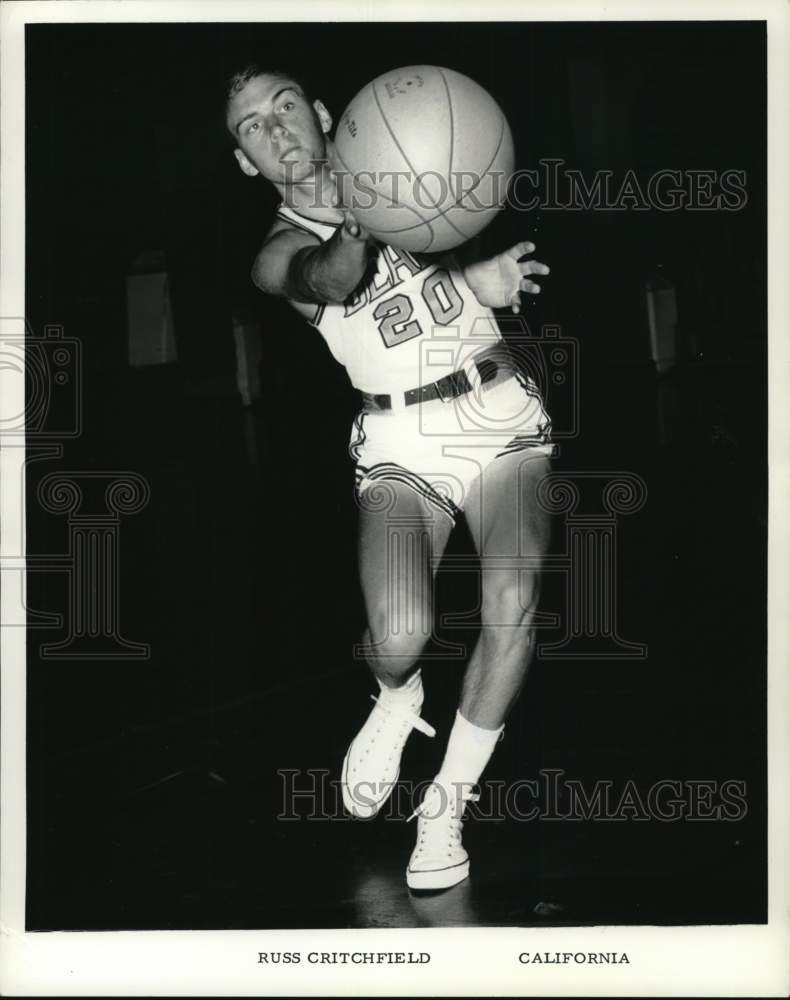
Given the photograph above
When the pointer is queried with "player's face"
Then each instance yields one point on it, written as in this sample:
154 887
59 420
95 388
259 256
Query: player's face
280 134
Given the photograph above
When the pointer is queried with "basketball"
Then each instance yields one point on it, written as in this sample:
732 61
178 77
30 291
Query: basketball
422 158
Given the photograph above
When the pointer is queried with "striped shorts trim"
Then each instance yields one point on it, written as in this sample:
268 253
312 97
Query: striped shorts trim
366 475
389 472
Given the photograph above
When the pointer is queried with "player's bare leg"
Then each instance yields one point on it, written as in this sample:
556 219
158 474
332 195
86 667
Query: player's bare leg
400 534
505 521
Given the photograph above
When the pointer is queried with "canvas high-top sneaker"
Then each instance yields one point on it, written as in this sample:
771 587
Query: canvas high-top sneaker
372 764
439 860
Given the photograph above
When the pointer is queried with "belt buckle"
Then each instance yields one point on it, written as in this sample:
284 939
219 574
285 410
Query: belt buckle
448 393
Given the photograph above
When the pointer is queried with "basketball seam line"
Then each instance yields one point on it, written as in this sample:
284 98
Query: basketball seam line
422 222
380 194
452 122
408 161
457 203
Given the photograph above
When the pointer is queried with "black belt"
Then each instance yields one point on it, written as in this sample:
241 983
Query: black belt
495 365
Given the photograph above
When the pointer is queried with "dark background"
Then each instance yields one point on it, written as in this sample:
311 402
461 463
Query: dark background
152 785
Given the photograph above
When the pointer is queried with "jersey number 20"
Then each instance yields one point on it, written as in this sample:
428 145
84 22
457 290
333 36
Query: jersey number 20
394 314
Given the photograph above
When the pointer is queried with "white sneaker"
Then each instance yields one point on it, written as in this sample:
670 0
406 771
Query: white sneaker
372 764
439 860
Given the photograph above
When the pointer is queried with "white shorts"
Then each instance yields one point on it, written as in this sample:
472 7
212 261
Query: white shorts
440 448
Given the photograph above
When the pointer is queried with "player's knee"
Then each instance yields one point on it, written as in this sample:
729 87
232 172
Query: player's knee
398 653
398 640
508 600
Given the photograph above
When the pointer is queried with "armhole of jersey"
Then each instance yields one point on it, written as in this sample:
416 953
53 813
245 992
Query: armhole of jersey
312 226
308 221
298 225
303 308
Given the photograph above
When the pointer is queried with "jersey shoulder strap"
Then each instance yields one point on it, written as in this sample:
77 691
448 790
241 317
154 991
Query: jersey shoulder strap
323 230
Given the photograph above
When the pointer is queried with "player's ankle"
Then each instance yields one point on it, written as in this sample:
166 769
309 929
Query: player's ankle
469 750
409 688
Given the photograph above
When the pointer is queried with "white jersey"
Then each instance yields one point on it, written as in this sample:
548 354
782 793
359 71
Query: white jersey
416 320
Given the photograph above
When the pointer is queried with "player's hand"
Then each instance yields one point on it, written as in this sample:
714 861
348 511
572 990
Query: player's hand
500 281
351 229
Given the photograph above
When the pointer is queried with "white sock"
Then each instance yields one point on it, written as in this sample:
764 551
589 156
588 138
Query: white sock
468 751
410 693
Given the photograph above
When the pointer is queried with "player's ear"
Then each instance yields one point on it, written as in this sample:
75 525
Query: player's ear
245 164
323 116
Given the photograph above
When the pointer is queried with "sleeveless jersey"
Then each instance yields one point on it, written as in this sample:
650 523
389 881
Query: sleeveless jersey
415 321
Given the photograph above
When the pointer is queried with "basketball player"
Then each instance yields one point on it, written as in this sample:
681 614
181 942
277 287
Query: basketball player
428 443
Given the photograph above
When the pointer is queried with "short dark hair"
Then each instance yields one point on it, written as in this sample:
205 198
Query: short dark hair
239 80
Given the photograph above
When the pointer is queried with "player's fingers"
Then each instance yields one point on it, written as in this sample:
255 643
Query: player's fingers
520 249
533 267
352 227
529 286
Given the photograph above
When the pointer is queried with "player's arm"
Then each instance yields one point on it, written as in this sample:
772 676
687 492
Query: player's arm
297 265
499 281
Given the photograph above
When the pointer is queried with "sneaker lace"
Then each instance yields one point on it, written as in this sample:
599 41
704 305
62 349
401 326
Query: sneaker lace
405 715
433 836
